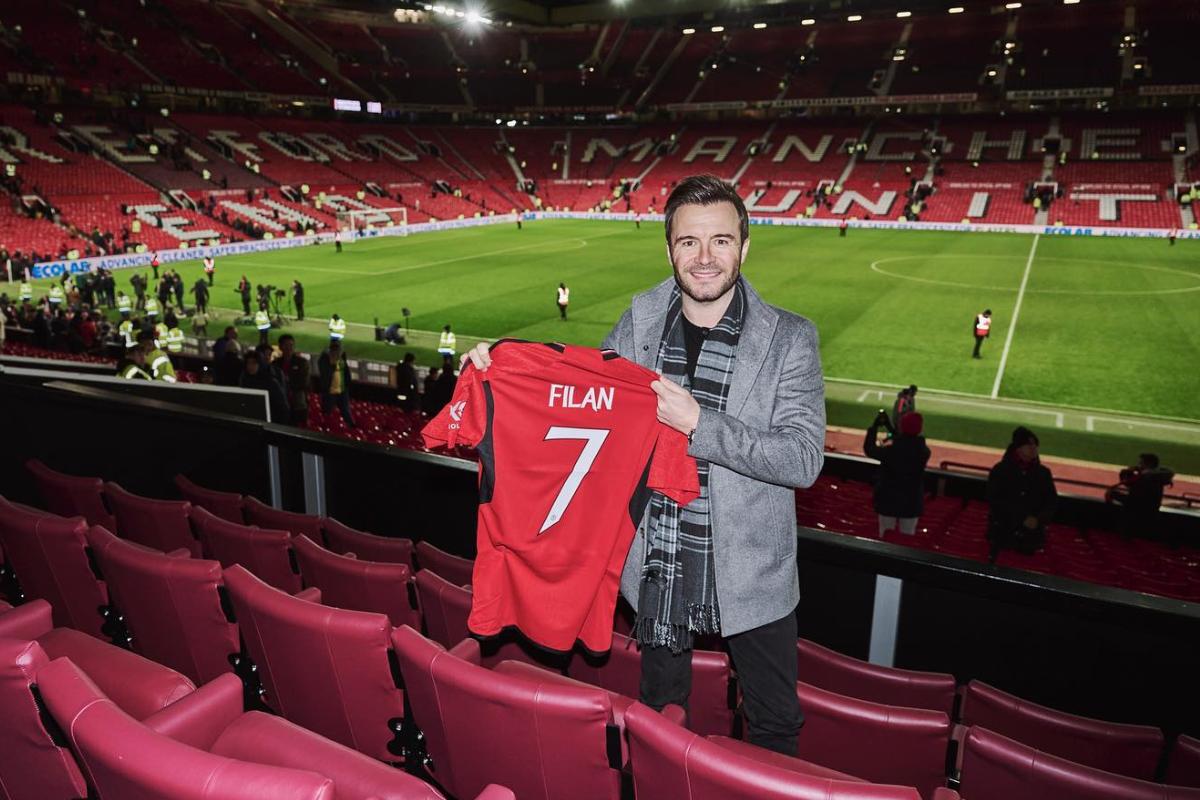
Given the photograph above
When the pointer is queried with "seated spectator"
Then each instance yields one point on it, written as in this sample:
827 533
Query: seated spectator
1140 494
1021 497
899 485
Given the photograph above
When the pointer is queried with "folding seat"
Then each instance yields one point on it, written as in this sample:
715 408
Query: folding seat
445 607
172 606
386 549
881 743
264 516
714 694
1132 750
266 553
455 569
326 669
32 765
48 554
824 668
161 524
995 767
70 495
1183 768
226 505
357 584
534 733
670 761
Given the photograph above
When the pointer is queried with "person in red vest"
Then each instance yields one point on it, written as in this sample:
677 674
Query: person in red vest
983 329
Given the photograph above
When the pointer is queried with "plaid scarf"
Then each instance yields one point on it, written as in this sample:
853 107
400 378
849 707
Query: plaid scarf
677 596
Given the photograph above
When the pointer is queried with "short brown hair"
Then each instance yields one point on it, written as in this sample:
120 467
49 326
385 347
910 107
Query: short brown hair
705 190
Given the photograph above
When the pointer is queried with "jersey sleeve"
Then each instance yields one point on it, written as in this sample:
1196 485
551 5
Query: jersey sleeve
672 470
464 419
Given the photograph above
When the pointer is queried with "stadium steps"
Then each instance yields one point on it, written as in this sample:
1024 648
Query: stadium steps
667 63
306 45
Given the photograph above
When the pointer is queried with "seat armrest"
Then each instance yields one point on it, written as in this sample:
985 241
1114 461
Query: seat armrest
494 792
467 650
198 719
181 552
942 793
26 622
312 594
676 714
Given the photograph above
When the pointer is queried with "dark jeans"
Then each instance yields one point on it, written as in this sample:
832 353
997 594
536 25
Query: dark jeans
978 343
765 660
343 404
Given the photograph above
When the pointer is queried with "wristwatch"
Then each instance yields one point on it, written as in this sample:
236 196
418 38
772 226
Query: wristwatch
690 434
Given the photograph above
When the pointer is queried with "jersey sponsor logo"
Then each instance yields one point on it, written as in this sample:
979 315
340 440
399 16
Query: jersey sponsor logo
457 409
597 398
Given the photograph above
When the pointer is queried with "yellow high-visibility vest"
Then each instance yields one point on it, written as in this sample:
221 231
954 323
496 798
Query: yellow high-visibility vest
446 342
337 328
174 340
123 304
262 320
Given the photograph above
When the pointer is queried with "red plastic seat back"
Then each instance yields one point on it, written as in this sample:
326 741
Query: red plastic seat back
1131 750
71 495
876 742
834 672
995 767
1183 769
226 505
49 555
670 761
455 569
265 516
358 585
172 606
161 524
125 759
266 553
32 766
325 669
445 607
384 549
542 740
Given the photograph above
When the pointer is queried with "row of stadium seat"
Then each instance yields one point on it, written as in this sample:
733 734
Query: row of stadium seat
841 732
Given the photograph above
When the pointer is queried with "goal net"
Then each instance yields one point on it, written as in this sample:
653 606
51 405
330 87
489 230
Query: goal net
358 223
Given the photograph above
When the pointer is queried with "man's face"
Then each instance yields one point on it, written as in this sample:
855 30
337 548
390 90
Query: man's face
1028 452
251 366
705 250
287 347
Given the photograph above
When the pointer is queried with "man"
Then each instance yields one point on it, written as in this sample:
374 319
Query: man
564 297
842 228
154 262
337 328
1140 494
905 403
296 377
262 321
1021 497
337 241
200 291
25 292
177 288
756 428
158 362
174 337
244 290
138 282
200 324
298 298
57 295
406 383
447 342
333 375
151 305
227 358
210 268
257 375
124 305
133 366
983 329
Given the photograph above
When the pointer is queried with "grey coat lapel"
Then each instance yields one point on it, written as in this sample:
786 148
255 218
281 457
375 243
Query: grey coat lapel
758 331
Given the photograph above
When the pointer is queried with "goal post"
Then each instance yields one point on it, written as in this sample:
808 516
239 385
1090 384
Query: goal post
372 221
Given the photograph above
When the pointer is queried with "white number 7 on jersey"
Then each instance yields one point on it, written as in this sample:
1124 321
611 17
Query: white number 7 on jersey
595 440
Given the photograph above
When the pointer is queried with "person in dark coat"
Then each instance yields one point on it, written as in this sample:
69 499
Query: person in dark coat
1140 494
296 371
1021 497
257 375
333 376
406 383
899 483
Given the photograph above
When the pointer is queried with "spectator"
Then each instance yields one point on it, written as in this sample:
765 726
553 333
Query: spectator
297 376
133 365
906 401
406 383
1140 494
333 373
227 358
200 324
1021 497
429 395
256 375
899 483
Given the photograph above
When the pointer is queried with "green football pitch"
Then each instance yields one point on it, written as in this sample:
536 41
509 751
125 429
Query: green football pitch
1095 341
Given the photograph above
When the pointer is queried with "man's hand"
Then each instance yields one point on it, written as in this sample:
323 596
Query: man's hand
676 406
478 355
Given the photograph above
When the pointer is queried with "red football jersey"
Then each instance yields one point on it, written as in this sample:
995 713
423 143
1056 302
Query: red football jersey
569 451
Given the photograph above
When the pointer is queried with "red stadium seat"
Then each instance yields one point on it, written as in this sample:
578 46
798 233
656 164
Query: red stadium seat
881 743
325 669
358 584
445 607
1132 750
266 553
70 495
995 767
386 549
49 556
834 672
161 524
171 606
456 569
534 734
264 516
226 505
1183 767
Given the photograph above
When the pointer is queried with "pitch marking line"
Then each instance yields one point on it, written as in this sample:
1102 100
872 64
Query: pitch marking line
1059 417
1012 326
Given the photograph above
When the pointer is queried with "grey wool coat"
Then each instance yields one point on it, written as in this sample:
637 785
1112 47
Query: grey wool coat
770 439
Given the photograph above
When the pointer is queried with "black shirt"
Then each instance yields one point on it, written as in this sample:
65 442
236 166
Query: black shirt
693 340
